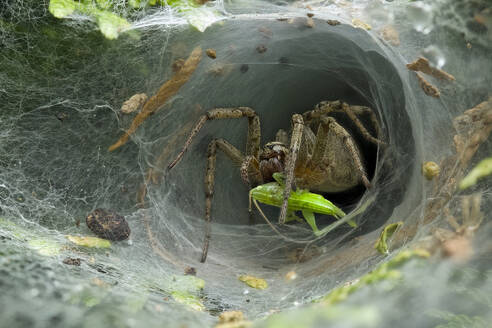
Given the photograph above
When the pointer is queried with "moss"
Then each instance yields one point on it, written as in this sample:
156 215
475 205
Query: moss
386 271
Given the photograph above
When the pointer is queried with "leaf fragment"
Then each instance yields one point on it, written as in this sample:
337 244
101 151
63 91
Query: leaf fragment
166 91
93 242
382 243
482 169
253 282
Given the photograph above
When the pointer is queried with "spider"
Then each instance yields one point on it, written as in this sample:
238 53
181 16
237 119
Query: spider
328 161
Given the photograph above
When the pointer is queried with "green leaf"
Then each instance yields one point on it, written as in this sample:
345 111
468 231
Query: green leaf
253 282
482 169
62 8
382 243
189 300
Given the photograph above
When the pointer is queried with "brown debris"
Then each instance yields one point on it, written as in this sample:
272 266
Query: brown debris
333 22
428 88
301 255
107 224
134 103
422 65
261 48
457 244
310 15
72 261
232 319
211 53
390 34
167 90
473 128
190 271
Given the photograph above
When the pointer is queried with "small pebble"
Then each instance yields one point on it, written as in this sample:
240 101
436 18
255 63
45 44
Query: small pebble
107 224
211 53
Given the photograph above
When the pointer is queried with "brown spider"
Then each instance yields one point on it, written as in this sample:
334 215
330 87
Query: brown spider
329 161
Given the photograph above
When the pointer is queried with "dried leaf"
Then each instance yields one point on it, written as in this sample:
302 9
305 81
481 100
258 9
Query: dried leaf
167 90
422 65
428 88
360 24
134 103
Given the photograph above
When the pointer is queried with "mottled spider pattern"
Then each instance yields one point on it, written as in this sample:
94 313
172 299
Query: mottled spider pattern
328 161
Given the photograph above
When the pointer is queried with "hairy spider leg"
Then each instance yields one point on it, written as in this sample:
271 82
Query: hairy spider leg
253 139
252 151
329 124
295 142
327 107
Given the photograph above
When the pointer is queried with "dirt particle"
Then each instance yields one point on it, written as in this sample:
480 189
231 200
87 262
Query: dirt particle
261 48
61 116
211 53
72 261
190 271
244 68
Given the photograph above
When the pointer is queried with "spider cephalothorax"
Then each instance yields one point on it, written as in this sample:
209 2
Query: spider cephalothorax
321 156
272 159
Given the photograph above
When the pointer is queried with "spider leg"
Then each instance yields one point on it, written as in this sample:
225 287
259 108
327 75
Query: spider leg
236 157
295 142
327 107
321 155
209 194
349 110
253 141
250 172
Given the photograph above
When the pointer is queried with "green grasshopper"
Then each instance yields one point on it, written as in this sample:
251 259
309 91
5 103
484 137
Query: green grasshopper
300 200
